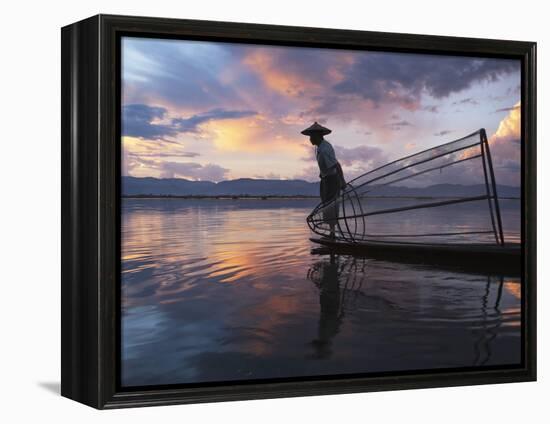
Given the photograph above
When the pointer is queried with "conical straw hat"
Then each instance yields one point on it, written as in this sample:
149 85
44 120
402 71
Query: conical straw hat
316 128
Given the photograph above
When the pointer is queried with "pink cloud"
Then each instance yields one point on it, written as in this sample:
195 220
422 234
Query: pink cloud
505 145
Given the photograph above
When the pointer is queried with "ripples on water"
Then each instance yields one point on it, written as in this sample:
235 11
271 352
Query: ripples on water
219 290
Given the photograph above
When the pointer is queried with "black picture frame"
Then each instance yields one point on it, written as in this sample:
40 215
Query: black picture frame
90 220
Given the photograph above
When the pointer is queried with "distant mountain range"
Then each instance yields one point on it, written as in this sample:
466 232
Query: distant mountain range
133 186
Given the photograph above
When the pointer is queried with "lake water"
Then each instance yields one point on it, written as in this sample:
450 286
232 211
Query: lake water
221 290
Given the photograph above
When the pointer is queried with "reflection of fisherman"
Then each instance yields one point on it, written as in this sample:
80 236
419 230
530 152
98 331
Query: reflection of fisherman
331 316
331 174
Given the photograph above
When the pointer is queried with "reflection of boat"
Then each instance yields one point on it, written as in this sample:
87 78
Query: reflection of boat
401 192
364 291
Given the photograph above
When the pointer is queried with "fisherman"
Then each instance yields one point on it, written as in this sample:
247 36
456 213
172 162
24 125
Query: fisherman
331 174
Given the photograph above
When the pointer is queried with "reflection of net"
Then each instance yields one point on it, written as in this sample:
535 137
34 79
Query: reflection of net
342 280
348 284
389 203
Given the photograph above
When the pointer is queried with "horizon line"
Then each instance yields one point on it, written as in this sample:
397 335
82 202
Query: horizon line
290 179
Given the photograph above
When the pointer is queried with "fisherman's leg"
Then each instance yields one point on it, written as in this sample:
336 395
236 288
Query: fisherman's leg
337 208
332 226
333 193
324 193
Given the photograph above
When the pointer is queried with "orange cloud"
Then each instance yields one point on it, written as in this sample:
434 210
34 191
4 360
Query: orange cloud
253 135
338 72
282 81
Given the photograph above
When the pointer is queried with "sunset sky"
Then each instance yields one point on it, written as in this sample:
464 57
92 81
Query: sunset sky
217 111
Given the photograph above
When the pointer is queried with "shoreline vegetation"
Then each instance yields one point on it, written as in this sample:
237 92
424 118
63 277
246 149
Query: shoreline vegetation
274 197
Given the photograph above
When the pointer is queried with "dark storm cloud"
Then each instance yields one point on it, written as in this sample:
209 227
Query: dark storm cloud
316 65
326 105
138 121
442 133
431 108
397 125
404 77
507 109
467 101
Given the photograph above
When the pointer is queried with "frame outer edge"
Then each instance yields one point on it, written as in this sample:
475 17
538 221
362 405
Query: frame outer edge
89 199
80 314
109 145
530 203
68 359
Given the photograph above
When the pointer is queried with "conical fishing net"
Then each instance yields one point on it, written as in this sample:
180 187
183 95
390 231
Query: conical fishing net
443 195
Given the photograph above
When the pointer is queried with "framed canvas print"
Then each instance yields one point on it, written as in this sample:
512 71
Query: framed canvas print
254 211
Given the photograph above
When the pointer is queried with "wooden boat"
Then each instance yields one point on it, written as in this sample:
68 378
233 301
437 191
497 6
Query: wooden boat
480 257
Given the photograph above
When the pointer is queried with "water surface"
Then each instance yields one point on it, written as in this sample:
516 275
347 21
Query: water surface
221 290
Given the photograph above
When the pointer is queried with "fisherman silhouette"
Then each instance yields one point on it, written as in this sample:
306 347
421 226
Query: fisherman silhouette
330 172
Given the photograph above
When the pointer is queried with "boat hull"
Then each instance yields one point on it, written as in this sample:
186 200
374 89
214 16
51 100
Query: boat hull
487 258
